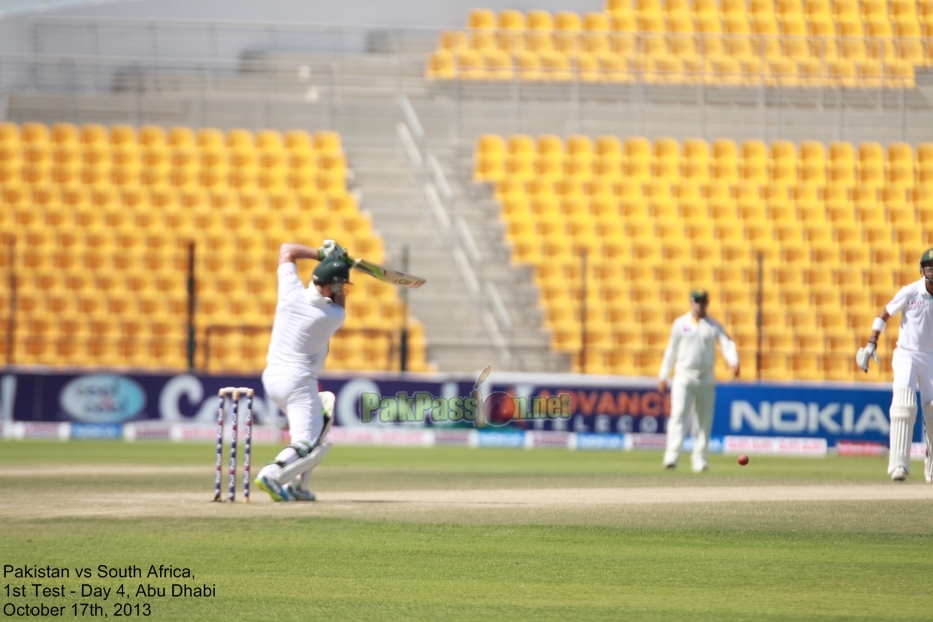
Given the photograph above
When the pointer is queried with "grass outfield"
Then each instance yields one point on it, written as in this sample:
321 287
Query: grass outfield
816 538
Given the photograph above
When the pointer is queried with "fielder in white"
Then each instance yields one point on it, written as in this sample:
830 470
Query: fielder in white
691 352
912 363
305 320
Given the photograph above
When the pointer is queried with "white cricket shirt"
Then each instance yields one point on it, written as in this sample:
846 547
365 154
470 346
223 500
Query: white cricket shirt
304 323
691 350
914 304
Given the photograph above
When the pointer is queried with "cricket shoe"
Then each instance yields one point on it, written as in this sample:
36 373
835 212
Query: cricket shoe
899 474
272 487
300 494
670 465
699 467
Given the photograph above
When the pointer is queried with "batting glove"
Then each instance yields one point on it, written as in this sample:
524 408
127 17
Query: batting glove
331 250
863 354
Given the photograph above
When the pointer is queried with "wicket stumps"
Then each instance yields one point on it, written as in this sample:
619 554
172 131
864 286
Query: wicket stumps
235 393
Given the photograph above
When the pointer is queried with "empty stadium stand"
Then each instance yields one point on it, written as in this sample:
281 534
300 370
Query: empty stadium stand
101 220
839 229
810 43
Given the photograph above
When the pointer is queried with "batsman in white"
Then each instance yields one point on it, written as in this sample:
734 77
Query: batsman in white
691 352
305 320
912 362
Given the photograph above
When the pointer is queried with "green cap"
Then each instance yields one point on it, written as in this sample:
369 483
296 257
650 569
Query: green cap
699 295
926 257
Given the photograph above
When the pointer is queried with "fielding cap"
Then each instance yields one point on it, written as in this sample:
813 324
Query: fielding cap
699 295
331 271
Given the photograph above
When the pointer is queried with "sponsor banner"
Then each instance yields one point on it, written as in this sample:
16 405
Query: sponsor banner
593 405
775 445
459 438
714 446
860 448
376 436
267 435
547 439
123 398
604 442
601 407
96 431
648 441
808 411
147 432
60 431
102 399
198 433
487 438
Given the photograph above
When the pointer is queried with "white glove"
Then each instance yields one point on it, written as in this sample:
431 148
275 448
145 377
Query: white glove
332 250
863 354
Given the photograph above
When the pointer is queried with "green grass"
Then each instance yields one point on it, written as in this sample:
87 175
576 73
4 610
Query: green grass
752 561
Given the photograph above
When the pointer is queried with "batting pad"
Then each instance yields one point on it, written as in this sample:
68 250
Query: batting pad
303 465
903 416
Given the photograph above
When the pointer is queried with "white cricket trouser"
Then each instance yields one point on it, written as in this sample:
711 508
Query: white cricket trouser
701 396
298 398
914 371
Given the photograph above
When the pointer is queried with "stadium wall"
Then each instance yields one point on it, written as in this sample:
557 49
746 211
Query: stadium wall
600 412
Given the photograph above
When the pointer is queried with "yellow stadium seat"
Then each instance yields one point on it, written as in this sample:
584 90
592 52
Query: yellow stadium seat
511 25
442 64
481 18
483 40
540 26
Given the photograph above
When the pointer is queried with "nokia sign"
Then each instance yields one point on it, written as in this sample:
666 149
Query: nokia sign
799 418
854 414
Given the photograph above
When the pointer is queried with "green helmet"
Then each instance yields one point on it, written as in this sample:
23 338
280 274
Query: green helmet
926 258
331 271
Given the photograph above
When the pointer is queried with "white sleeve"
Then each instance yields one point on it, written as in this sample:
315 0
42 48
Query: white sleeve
899 302
670 354
289 283
729 351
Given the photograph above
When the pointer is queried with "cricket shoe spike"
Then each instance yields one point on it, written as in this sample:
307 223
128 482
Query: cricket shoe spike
273 488
299 494
899 474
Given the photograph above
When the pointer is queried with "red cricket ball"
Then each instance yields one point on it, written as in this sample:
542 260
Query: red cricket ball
499 408
743 459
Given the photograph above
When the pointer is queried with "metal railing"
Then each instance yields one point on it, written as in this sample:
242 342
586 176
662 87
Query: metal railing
218 331
216 39
137 87
469 260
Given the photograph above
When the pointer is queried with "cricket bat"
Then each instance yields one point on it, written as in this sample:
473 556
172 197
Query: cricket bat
386 274
480 416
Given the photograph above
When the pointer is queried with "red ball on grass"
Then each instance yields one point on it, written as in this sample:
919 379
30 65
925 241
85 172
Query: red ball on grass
743 459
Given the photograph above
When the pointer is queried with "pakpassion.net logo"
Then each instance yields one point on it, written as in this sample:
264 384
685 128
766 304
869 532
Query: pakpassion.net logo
497 409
